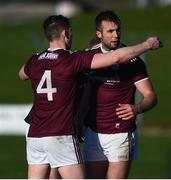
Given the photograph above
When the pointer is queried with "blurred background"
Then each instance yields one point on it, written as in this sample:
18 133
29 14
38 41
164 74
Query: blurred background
21 35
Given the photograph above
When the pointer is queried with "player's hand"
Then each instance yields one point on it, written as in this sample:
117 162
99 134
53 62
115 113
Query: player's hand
126 111
153 43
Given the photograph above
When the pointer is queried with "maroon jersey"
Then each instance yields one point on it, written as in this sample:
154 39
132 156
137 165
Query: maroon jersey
53 75
111 86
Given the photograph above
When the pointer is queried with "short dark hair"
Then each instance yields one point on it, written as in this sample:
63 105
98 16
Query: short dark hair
54 25
106 16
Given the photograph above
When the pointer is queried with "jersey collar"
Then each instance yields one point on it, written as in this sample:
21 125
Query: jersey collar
50 49
105 51
102 49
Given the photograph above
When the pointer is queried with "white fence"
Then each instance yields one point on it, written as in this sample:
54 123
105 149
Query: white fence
12 118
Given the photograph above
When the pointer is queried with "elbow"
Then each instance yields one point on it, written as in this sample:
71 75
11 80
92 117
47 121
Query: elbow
154 100
118 60
23 78
22 75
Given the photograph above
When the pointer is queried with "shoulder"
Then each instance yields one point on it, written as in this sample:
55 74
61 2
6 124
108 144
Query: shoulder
94 48
37 54
81 53
40 52
32 57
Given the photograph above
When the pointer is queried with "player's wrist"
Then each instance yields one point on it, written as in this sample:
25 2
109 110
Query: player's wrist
146 45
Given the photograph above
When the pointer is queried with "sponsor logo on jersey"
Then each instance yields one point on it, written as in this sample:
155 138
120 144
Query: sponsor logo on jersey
117 125
112 82
50 56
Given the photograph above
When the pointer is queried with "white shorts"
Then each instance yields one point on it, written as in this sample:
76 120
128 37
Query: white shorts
54 150
111 147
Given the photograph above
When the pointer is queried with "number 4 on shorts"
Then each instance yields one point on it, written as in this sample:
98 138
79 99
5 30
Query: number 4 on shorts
46 78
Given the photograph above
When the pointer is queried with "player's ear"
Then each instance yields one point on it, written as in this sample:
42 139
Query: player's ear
63 33
99 34
67 34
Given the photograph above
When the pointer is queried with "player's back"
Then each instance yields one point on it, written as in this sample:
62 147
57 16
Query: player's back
53 84
54 76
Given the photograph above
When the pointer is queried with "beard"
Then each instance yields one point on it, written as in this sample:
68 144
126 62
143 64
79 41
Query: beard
110 45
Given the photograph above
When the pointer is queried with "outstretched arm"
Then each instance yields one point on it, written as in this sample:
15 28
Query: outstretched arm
123 55
22 74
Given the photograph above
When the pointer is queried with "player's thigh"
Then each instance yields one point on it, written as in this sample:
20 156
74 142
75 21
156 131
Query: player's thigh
38 171
112 147
96 169
63 151
35 151
37 159
95 161
119 150
75 171
118 170
118 147
54 174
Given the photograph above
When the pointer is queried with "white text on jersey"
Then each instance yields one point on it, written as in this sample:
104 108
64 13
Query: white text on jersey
50 56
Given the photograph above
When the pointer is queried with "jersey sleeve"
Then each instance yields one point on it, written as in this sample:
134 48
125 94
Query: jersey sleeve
82 60
28 65
139 71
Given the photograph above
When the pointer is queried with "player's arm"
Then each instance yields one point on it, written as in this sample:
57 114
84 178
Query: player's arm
127 111
124 54
149 96
22 74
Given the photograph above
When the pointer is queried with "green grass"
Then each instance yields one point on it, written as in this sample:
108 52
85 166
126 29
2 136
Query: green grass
154 159
13 157
20 40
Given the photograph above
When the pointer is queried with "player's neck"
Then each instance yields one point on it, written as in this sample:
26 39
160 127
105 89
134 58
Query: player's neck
104 48
57 44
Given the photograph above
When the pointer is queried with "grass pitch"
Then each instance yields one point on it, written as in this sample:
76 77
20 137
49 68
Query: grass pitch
154 159
20 39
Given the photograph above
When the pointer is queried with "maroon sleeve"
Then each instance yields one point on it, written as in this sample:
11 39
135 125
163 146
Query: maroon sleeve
139 70
28 66
82 60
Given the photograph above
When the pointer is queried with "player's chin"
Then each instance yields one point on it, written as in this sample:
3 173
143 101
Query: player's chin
114 45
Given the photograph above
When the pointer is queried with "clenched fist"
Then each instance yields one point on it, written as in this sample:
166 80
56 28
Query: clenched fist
153 43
